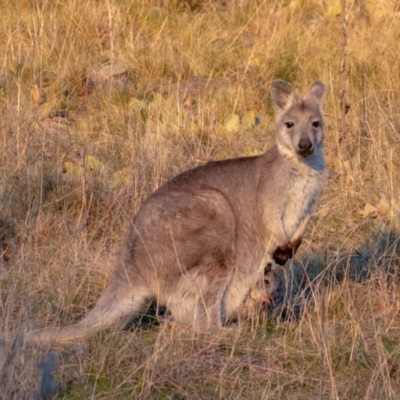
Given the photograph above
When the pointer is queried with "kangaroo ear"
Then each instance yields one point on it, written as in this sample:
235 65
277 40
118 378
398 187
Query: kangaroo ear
282 93
317 90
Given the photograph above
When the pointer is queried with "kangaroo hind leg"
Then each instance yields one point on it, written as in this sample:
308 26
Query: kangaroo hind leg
209 313
210 309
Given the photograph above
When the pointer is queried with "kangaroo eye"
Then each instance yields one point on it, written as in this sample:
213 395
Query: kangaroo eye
316 124
289 125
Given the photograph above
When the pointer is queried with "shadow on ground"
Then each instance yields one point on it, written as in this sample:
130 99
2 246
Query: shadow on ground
304 279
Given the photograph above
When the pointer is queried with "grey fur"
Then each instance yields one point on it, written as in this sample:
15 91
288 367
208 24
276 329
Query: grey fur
262 295
199 244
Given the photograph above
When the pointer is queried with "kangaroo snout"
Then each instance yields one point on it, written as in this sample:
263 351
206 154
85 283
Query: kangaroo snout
305 147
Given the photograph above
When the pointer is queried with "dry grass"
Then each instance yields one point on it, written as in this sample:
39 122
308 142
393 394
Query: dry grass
69 186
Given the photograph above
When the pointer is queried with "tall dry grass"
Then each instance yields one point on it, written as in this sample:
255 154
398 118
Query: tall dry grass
79 155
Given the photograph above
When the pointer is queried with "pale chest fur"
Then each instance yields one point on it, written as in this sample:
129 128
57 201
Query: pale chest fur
301 198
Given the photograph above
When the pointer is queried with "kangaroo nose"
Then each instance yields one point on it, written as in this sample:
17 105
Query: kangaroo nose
305 147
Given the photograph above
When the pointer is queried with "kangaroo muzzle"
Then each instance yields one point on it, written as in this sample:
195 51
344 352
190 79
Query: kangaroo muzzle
305 147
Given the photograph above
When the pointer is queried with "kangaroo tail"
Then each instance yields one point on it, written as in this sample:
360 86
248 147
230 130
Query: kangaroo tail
117 301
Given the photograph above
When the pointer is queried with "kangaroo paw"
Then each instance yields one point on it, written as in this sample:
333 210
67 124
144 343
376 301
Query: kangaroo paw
283 253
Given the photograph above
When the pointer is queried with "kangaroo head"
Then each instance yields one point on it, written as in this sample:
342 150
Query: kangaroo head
299 119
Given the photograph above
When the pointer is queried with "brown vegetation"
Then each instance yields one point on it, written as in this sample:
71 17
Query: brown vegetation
82 146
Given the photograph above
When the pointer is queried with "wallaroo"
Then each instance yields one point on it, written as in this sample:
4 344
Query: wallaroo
200 243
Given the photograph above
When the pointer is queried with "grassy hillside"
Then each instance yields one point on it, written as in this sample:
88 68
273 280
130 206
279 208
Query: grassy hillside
102 102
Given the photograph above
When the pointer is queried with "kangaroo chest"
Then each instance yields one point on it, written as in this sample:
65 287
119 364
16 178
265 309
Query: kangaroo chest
300 200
